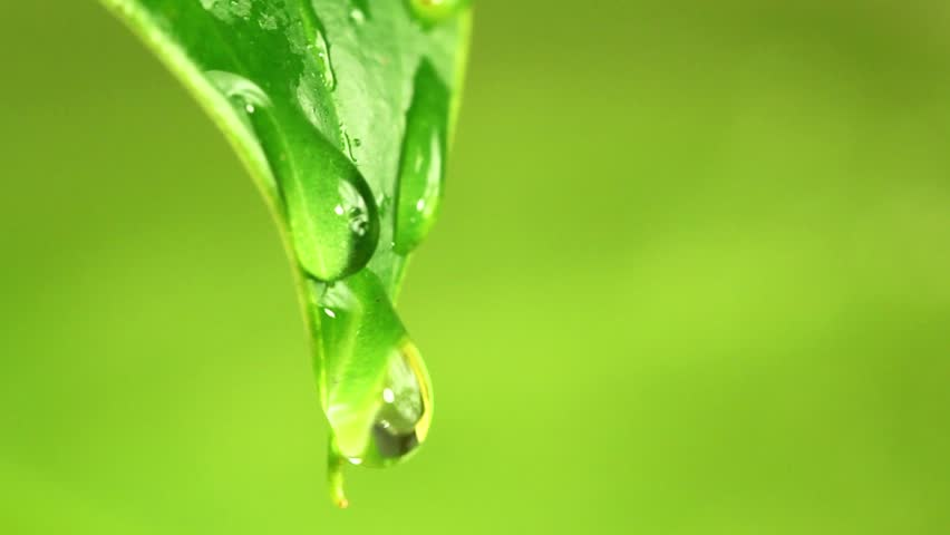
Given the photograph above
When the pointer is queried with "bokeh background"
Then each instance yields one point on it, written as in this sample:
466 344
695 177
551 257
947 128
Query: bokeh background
692 277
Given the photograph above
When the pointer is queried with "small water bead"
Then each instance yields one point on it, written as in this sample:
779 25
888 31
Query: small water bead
422 165
431 12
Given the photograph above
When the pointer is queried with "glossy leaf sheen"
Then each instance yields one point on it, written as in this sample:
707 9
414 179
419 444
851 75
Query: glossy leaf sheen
314 95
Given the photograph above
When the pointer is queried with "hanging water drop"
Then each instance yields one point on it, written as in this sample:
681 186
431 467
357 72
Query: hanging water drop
378 396
422 165
396 419
333 219
402 420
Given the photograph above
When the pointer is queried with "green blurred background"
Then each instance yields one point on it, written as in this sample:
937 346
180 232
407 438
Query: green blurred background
691 278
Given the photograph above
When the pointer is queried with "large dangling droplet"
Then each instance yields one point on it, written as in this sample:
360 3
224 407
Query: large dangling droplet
377 392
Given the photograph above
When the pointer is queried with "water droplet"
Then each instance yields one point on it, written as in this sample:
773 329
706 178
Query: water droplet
360 11
244 93
333 219
381 410
322 51
403 417
430 12
422 167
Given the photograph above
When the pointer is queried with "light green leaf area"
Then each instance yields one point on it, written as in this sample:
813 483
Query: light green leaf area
342 111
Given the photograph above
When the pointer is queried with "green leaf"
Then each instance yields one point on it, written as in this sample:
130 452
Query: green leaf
342 111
